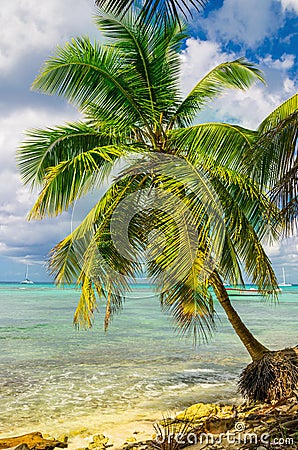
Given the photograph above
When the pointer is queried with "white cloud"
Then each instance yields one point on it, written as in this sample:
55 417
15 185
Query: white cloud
17 236
273 250
36 26
289 86
12 128
198 58
247 23
286 62
290 5
248 108
284 254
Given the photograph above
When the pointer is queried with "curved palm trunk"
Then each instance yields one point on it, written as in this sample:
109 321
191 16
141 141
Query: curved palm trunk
252 345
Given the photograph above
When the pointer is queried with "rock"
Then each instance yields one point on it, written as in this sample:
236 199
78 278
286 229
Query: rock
99 441
198 411
215 425
227 411
258 418
82 432
131 439
201 411
63 438
32 441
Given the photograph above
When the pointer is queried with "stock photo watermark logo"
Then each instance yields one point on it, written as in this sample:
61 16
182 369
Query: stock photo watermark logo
237 436
176 195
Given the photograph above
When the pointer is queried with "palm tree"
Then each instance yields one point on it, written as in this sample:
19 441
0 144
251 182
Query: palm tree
127 90
160 10
274 166
276 160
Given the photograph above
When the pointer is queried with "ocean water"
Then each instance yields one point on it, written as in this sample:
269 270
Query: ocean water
55 377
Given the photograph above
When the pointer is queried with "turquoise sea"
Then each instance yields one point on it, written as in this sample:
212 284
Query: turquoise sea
53 376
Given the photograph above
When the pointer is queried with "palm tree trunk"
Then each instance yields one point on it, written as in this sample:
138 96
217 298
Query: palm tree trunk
252 345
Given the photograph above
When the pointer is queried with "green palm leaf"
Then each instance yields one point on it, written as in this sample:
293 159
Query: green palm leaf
71 179
224 144
84 314
155 57
274 153
47 148
238 74
159 10
133 43
89 258
87 74
192 309
273 160
248 222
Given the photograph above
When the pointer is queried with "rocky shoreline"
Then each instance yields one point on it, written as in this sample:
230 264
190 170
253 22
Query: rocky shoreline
201 426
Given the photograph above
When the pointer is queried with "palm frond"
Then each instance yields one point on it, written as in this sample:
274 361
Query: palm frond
160 11
221 151
92 74
285 195
179 184
230 265
224 144
275 151
244 218
238 74
69 180
165 69
154 53
176 265
67 258
48 147
192 309
249 219
134 44
84 314
273 160
88 256
88 302
279 114
106 261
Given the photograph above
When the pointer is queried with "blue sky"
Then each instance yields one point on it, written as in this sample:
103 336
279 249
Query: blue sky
264 31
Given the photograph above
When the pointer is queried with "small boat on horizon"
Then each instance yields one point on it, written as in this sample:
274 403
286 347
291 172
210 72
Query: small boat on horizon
248 292
284 283
26 279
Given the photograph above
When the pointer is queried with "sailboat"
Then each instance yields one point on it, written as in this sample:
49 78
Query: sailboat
26 279
284 284
248 292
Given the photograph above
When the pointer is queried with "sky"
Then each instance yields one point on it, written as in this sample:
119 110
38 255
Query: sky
263 31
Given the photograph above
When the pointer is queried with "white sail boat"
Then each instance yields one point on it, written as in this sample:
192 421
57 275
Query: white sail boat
248 292
26 279
284 284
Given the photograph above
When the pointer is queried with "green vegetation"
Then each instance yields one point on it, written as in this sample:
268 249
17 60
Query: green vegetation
233 187
160 10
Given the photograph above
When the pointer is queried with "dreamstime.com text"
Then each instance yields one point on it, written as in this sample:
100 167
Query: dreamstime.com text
239 436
